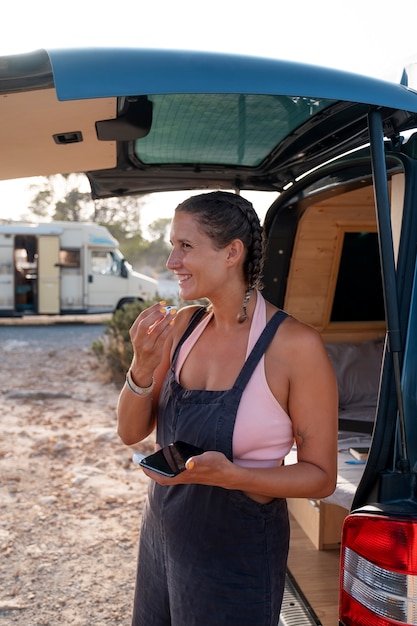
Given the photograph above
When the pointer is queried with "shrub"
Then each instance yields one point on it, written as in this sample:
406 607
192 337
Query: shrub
115 347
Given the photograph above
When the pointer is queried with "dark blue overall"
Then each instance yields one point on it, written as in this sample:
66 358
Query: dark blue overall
209 556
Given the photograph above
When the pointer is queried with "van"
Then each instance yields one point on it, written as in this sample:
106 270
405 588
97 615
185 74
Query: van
62 268
340 151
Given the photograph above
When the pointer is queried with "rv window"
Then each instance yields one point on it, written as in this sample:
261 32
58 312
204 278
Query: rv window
358 295
69 258
105 262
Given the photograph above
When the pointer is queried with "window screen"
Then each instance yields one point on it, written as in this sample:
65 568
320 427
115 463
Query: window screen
69 257
359 294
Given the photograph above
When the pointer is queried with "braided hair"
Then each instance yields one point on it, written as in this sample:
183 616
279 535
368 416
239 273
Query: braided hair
219 215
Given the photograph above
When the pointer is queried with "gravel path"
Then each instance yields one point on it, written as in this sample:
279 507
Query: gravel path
70 498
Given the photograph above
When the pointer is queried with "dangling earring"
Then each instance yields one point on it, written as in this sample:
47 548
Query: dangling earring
242 317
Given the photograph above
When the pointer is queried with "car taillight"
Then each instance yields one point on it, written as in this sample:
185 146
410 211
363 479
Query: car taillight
378 576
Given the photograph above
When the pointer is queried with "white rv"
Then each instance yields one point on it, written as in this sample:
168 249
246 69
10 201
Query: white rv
63 268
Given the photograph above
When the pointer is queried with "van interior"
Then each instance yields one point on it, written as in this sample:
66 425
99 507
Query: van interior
26 273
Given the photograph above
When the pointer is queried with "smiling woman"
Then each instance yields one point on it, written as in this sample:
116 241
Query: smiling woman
201 377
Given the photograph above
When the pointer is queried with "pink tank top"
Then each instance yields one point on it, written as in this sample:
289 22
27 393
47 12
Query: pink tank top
263 433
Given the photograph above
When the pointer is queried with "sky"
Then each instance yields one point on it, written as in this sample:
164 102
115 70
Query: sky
372 37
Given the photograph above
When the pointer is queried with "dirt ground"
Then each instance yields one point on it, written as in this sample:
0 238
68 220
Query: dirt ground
70 498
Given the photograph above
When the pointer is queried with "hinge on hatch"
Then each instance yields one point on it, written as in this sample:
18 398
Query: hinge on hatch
393 135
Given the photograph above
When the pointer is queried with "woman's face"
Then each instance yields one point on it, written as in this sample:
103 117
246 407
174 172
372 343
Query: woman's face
201 270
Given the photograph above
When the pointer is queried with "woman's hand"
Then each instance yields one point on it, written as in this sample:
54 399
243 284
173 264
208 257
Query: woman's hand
148 335
136 414
210 468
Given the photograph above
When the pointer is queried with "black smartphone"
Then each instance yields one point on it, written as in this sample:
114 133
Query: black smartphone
171 460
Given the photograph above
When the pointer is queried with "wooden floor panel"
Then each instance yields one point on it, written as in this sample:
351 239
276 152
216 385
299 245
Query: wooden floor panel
317 574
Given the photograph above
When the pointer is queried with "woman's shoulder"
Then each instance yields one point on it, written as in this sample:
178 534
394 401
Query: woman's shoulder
293 332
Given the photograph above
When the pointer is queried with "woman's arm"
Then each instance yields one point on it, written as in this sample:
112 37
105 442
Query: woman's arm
298 355
151 336
313 408
136 415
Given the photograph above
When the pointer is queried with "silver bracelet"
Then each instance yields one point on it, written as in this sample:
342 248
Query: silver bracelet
139 391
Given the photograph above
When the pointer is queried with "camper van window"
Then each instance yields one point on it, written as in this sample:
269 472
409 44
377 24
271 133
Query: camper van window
105 262
358 295
69 258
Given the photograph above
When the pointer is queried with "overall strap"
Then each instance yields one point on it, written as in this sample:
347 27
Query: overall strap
258 350
227 421
194 320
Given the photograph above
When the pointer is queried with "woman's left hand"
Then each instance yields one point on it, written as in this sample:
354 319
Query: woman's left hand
210 468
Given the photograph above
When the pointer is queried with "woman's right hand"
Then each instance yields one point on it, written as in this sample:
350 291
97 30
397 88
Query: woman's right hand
148 335
136 413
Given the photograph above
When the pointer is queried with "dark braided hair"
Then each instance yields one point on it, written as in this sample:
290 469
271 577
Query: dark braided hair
219 215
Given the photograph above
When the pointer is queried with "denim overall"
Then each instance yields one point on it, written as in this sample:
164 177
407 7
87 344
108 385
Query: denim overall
209 556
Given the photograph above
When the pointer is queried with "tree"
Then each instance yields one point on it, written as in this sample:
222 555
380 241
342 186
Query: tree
65 197
159 228
158 249
41 203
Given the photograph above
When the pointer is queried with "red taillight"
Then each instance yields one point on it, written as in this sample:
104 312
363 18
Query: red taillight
378 582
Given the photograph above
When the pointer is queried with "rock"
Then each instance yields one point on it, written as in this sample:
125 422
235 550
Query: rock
70 502
34 394
12 605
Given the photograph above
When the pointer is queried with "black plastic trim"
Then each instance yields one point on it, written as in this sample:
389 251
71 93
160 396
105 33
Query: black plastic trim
26 72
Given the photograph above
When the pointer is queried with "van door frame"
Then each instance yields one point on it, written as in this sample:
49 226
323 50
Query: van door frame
387 472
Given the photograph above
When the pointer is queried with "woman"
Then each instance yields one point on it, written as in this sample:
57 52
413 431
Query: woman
214 539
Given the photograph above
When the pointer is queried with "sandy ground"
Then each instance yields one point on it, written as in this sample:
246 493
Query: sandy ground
70 498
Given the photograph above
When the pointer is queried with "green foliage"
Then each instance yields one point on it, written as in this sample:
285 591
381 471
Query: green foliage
41 202
159 228
115 347
63 197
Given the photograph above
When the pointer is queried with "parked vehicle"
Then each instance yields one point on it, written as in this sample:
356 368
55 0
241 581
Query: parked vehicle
65 267
341 255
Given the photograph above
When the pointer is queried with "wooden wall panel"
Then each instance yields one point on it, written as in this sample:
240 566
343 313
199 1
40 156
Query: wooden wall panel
315 259
39 154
